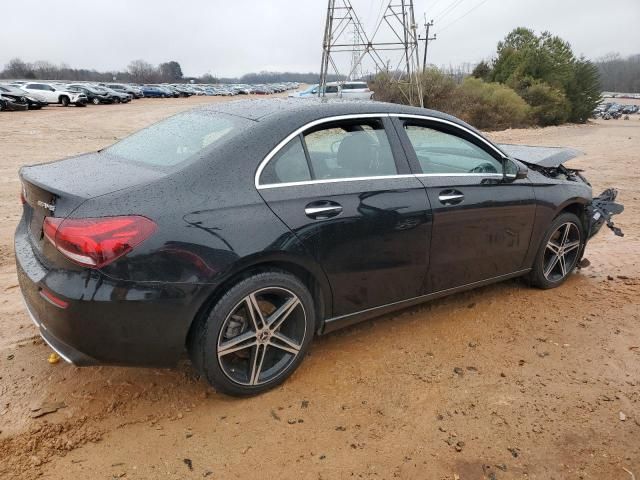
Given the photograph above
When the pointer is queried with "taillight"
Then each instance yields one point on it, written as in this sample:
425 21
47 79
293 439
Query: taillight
96 242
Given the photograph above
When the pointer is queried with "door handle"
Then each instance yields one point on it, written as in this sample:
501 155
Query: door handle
451 197
322 210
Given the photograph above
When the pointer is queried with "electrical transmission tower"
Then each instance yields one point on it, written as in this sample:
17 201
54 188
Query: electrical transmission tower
397 22
355 71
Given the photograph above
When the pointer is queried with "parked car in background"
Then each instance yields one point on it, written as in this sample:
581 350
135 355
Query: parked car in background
94 96
135 92
55 94
355 91
153 92
33 100
12 104
117 97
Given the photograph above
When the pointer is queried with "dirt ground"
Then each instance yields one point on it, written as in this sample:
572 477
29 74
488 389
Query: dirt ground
505 382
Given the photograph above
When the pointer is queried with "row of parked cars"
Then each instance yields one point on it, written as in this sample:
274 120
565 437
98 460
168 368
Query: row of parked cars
31 95
610 110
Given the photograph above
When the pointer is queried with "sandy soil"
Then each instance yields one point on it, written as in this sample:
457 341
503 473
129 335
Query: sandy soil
502 382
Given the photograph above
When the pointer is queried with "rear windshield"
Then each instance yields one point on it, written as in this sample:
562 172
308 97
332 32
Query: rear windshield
177 138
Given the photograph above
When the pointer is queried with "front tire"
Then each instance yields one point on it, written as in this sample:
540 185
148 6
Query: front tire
95 101
256 335
559 252
64 101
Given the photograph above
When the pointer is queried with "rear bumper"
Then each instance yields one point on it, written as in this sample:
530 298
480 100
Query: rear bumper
105 321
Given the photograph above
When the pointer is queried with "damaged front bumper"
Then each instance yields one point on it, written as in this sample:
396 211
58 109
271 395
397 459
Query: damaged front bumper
600 211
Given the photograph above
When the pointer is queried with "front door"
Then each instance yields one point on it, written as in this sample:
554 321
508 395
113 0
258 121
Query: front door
481 224
344 188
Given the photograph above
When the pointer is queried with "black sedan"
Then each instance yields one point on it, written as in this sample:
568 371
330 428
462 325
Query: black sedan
13 104
242 230
94 96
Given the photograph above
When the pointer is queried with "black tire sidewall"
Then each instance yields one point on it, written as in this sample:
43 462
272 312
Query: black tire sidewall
64 101
206 338
537 275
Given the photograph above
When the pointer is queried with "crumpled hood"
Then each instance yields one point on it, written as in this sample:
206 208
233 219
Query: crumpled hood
546 157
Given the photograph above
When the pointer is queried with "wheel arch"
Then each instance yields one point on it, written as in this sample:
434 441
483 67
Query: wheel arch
577 206
307 272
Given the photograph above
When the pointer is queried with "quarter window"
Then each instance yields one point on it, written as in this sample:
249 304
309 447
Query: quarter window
289 165
442 153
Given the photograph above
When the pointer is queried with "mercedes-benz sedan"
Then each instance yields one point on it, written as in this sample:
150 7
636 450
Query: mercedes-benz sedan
242 230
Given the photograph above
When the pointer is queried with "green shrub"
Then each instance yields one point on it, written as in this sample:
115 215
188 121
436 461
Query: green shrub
490 105
549 105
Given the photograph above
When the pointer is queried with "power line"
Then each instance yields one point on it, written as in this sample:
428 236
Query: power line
463 15
448 10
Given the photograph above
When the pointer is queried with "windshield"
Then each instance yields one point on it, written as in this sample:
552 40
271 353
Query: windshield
178 138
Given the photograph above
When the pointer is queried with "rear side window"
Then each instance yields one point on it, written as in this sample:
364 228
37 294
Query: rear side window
178 138
339 150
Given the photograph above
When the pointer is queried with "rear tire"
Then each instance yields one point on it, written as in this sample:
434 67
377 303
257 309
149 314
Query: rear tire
255 335
559 252
95 101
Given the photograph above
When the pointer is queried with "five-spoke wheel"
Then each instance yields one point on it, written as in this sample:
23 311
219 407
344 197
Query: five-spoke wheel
562 252
261 336
255 335
559 253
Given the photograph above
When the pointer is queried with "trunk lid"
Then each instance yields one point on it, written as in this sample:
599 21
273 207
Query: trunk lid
58 188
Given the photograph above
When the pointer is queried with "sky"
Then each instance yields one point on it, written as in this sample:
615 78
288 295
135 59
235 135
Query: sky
238 36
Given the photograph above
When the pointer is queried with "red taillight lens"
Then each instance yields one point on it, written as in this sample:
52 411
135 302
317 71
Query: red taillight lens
96 242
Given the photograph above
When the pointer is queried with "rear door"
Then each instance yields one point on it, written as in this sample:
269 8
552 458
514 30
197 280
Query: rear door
344 188
481 224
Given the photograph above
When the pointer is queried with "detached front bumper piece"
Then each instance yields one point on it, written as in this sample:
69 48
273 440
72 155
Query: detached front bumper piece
600 211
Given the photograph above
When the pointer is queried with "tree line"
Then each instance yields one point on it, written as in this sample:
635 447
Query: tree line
141 71
619 74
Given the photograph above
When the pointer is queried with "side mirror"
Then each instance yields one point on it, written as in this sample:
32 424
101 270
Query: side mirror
514 170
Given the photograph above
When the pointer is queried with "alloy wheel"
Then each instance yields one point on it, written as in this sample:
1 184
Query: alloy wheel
262 336
561 252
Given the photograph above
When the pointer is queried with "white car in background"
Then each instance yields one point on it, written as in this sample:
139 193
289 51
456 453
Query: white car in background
346 90
355 91
55 94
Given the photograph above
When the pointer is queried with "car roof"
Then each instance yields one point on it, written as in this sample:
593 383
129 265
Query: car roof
304 108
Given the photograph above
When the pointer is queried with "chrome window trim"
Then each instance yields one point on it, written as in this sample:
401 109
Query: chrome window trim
333 180
473 174
356 116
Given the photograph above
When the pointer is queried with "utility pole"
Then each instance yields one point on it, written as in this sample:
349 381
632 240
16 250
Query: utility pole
426 39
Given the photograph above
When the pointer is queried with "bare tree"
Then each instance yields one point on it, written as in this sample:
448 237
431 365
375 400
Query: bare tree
142 71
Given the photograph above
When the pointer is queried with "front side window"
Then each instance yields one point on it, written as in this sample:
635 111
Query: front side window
176 139
443 153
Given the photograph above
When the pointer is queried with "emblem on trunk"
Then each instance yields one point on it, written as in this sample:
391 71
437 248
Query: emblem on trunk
46 205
